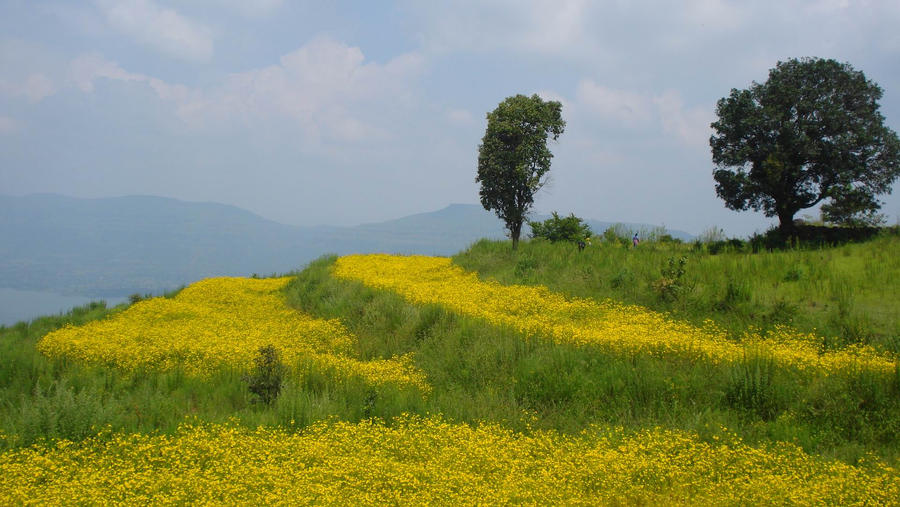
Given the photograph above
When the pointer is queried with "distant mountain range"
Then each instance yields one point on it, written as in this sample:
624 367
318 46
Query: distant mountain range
118 246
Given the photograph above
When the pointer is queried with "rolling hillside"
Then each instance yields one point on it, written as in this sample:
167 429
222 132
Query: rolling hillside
377 379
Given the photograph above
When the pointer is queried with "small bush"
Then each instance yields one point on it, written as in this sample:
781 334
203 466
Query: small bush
668 238
266 378
671 286
555 228
525 266
726 245
782 312
621 279
794 274
617 234
751 387
138 297
736 292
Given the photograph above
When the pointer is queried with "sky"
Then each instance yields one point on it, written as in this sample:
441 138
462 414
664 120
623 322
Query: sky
340 113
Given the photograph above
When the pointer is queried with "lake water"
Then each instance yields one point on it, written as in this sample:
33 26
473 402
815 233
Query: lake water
17 305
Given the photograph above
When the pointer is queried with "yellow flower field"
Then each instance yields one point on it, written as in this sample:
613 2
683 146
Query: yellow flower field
222 322
536 311
429 461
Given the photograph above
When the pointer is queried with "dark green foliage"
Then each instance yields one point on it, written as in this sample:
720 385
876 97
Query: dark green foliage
782 312
794 274
556 228
672 286
267 376
726 245
752 386
736 292
618 234
525 266
513 157
138 297
810 134
621 279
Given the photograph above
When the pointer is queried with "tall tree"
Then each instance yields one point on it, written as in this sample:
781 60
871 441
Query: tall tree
513 157
810 134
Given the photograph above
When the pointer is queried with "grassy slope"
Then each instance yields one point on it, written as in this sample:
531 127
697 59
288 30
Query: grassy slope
483 373
480 372
845 294
49 398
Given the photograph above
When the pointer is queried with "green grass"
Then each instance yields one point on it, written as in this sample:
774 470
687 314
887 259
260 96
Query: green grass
845 294
481 372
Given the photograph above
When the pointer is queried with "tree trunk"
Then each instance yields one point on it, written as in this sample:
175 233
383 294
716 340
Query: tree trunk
786 228
514 233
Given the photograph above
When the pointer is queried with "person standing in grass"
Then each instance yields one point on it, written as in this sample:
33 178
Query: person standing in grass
635 240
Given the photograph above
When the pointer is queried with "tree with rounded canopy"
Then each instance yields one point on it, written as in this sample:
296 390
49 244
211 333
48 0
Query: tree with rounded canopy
810 134
513 157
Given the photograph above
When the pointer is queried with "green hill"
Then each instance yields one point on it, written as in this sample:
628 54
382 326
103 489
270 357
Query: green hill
461 355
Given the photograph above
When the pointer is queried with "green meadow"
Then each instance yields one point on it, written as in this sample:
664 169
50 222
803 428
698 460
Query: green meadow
844 295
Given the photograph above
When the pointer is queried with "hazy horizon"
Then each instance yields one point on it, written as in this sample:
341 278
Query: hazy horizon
534 213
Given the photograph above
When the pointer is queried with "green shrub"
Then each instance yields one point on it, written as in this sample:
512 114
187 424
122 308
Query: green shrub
736 292
782 312
622 279
726 245
618 233
794 274
672 285
556 228
266 378
751 387
525 266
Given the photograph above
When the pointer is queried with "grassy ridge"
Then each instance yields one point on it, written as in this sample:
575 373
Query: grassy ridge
846 294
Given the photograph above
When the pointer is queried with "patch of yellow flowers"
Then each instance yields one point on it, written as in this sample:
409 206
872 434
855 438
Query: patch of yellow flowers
419 461
536 311
222 322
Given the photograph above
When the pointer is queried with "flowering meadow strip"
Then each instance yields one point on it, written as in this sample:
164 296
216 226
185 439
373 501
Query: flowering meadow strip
222 322
430 461
540 312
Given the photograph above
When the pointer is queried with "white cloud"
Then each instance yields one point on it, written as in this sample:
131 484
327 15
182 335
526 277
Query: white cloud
161 28
542 26
325 86
253 8
691 126
716 15
625 37
630 108
33 88
667 111
38 86
460 117
8 125
86 69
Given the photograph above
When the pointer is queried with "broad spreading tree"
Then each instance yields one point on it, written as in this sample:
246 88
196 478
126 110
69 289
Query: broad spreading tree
810 134
513 157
